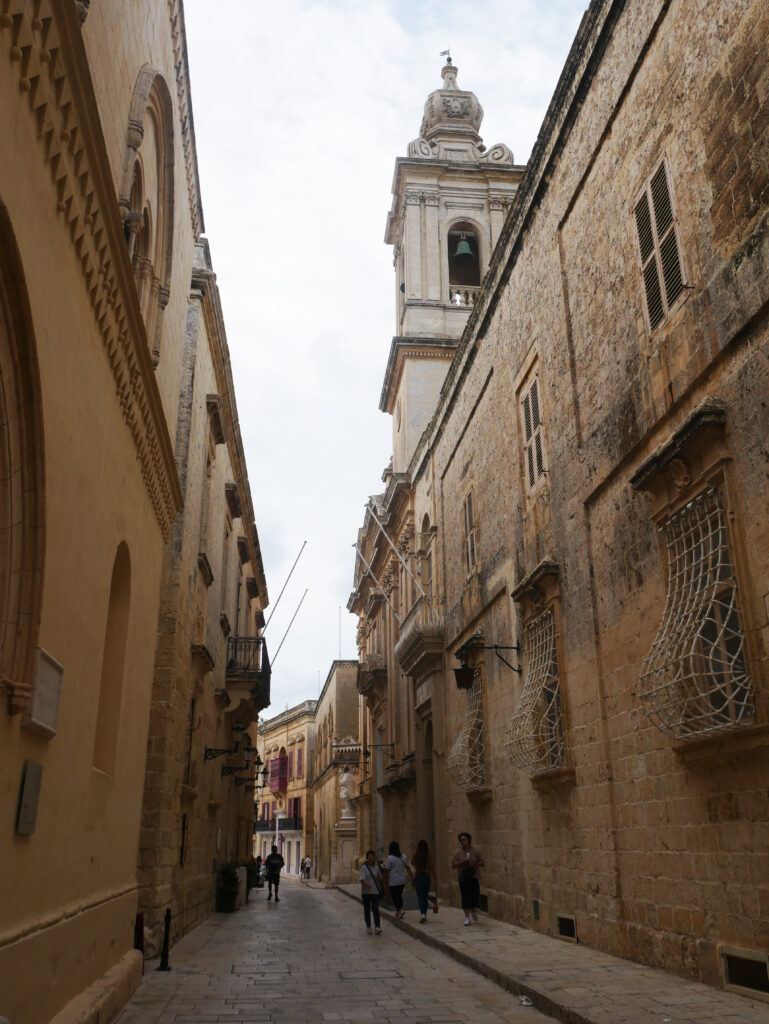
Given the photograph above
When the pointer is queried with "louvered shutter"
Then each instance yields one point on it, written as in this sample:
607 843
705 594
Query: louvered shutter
659 248
299 753
469 516
290 764
534 449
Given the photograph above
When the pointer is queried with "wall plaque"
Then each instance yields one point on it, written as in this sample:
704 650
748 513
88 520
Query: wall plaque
31 776
42 714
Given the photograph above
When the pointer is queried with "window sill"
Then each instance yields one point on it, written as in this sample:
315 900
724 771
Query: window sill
554 779
479 795
723 744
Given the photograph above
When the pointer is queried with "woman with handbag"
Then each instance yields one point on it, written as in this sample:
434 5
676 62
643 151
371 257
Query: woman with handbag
372 887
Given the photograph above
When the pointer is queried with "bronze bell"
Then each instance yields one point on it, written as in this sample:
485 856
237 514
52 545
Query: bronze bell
463 249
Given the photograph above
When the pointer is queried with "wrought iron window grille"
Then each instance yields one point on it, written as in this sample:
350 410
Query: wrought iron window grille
466 760
694 681
534 737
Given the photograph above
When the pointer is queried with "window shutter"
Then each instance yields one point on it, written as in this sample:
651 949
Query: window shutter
534 393
290 764
659 247
527 416
299 752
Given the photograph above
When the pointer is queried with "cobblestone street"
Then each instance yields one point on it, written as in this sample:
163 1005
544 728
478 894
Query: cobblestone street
309 959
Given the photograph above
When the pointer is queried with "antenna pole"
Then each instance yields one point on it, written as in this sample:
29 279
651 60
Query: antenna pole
272 660
301 549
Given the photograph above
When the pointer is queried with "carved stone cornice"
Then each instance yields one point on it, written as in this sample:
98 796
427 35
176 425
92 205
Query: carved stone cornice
536 589
44 41
181 65
372 675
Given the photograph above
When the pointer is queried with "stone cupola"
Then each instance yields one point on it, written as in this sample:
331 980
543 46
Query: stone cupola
451 124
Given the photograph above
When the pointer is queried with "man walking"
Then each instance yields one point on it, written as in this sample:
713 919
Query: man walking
307 866
273 864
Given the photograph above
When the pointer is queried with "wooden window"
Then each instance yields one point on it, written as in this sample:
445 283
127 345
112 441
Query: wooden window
468 512
534 441
659 246
299 765
290 764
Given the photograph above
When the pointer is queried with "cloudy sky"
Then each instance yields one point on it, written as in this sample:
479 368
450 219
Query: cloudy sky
300 110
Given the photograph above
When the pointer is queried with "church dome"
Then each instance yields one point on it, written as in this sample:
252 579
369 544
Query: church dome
451 110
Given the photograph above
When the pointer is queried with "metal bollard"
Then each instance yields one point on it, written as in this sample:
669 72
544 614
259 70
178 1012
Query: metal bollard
164 965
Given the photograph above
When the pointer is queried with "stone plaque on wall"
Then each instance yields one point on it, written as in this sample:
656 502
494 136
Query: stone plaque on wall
31 778
42 714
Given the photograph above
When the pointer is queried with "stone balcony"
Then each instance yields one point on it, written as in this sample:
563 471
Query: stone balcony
420 648
372 674
247 674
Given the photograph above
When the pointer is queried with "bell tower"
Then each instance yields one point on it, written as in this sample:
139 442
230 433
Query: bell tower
450 198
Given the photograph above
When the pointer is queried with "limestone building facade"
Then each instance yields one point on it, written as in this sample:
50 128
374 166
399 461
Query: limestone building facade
582 519
103 433
283 803
335 757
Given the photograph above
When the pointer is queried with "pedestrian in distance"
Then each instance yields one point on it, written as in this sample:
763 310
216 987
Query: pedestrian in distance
371 889
397 868
467 860
273 864
307 866
424 874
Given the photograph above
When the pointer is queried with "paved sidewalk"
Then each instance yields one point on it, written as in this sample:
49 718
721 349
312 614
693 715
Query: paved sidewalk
573 983
308 960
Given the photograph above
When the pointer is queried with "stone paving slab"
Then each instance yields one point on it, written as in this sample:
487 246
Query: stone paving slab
573 983
309 960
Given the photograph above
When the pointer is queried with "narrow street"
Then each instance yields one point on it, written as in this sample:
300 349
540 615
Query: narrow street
308 959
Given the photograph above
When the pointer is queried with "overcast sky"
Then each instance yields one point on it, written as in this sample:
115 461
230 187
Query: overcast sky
300 111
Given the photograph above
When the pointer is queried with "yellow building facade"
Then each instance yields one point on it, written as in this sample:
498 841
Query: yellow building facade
100 214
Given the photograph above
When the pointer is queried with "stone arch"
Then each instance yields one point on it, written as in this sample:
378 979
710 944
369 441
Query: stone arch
22 479
149 161
466 272
113 663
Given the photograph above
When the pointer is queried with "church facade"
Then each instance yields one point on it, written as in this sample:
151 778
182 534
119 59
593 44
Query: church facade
562 589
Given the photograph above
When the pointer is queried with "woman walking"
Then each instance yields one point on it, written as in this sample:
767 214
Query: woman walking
424 873
397 868
371 890
467 860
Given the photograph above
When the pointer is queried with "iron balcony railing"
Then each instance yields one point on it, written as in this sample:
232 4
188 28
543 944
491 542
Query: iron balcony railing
248 662
284 825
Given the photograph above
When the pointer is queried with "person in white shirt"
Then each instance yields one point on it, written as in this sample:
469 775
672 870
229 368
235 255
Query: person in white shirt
397 868
307 866
371 887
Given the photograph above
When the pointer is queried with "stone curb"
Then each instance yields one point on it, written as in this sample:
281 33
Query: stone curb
541 1001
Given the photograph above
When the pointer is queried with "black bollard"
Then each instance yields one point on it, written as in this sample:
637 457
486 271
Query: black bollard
164 965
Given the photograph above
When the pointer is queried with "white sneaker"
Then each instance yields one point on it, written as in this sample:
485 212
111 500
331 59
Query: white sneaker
377 931
369 931
467 921
422 919
474 915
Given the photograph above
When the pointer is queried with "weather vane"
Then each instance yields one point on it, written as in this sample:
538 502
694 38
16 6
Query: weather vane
446 54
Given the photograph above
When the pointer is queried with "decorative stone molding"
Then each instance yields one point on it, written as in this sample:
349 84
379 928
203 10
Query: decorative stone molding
232 498
214 407
206 571
184 102
243 549
38 38
537 589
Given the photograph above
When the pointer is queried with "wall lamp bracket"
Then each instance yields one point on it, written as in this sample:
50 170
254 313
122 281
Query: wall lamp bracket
465 674
231 769
211 752
366 752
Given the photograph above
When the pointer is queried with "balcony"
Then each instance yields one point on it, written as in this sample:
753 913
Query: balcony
372 678
420 648
249 666
284 825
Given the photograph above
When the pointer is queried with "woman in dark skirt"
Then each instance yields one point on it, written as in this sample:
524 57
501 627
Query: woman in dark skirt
467 860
